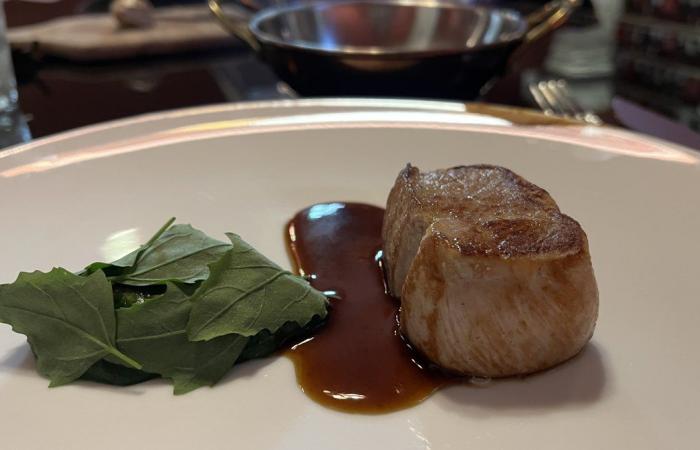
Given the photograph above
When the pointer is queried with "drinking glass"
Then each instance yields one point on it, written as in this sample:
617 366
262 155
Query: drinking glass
8 87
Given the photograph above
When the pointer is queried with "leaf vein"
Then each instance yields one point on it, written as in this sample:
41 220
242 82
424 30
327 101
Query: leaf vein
94 309
66 324
151 337
172 260
53 300
244 294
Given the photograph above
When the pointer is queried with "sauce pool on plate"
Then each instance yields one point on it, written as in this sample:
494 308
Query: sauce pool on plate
357 362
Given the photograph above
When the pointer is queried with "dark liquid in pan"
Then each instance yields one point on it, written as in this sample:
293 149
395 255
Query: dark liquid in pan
358 361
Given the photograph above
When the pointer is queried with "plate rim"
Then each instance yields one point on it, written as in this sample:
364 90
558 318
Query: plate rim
519 118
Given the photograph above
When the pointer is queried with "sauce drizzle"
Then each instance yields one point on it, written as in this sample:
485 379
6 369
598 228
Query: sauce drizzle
357 362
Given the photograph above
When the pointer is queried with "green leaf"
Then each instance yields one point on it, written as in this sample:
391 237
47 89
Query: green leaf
68 320
178 254
155 332
247 293
127 296
187 306
128 260
265 343
116 374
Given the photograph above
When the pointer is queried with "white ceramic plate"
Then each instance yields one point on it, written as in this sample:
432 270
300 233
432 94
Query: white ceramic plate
97 192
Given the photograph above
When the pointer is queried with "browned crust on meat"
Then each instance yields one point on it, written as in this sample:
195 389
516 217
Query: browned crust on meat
417 182
496 212
519 238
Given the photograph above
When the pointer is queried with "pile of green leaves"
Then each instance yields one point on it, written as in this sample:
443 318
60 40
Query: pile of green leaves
183 306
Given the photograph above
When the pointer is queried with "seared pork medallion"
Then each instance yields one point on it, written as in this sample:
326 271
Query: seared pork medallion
494 280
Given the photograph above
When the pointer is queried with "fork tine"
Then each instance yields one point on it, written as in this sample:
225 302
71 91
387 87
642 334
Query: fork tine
552 99
540 99
563 92
562 96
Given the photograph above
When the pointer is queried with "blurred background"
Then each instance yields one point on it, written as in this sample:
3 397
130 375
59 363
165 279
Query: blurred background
76 62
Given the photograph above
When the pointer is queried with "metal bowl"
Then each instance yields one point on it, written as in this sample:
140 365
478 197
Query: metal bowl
399 48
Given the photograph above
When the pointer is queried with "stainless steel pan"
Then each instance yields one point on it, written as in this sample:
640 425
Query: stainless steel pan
438 49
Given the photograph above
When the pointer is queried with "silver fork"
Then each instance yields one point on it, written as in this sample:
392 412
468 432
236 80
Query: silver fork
554 98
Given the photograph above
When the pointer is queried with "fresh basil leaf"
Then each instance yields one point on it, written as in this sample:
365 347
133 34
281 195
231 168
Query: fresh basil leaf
116 374
68 320
178 254
155 332
127 296
247 293
187 306
116 267
265 343
188 289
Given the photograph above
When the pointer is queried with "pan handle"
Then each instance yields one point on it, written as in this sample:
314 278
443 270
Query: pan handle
548 18
235 23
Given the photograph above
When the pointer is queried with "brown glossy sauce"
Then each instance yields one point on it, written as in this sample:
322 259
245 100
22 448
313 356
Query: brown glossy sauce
358 361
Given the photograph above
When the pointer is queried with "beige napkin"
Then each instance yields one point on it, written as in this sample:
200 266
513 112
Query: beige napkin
93 37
